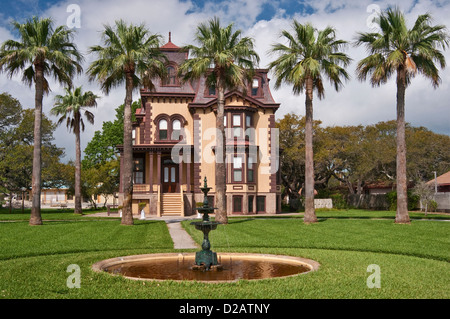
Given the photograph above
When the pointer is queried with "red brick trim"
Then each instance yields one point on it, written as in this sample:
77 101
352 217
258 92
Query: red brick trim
197 168
148 122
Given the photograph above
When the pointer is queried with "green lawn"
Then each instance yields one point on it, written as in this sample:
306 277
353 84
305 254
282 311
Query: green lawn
46 214
413 259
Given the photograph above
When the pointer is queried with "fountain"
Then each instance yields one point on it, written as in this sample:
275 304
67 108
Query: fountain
205 266
206 259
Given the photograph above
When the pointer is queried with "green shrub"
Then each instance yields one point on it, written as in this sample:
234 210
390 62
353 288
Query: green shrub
339 201
141 206
323 193
432 206
413 200
199 204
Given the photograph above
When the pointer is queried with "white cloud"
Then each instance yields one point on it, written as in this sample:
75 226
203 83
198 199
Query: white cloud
357 103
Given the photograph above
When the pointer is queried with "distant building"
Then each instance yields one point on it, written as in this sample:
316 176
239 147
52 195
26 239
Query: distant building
57 196
442 196
442 183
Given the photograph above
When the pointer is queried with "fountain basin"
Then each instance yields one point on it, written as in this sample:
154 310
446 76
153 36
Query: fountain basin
179 266
205 225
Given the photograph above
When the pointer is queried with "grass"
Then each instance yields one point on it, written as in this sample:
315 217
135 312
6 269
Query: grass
46 214
414 259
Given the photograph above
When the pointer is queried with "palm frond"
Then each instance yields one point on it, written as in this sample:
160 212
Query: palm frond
398 47
70 106
127 48
40 43
222 54
309 53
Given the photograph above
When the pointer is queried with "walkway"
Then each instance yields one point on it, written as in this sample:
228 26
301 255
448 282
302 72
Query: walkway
181 239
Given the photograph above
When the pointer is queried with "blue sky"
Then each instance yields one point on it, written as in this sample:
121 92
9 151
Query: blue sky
357 103
269 9
22 9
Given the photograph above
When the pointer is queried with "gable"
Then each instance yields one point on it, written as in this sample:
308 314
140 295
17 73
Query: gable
235 99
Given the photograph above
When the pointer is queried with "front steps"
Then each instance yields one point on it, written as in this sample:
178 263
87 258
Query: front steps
171 204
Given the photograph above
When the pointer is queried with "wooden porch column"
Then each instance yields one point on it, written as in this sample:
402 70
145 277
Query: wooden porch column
158 168
188 175
180 173
151 171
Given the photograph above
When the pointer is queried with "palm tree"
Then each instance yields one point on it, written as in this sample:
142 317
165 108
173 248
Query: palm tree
130 55
41 51
397 49
226 60
309 55
69 107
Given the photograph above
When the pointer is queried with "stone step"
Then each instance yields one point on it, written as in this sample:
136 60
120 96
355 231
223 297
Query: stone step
171 204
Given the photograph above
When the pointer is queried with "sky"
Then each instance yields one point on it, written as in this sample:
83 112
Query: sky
357 103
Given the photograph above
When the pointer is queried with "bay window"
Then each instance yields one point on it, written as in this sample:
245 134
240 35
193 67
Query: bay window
250 169
237 125
237 169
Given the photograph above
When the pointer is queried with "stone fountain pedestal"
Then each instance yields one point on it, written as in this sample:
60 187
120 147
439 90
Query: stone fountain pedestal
206 259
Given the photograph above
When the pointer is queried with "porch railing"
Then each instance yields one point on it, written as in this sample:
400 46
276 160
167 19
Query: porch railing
141 188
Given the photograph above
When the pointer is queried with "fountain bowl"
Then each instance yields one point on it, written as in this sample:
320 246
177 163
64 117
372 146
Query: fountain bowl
180 267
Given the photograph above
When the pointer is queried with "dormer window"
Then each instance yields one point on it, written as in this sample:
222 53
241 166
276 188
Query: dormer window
211 91
256 87
171 79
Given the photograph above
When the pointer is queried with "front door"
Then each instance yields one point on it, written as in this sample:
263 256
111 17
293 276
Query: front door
169 177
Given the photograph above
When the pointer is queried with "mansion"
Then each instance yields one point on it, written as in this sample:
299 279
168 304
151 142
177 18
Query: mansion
174 145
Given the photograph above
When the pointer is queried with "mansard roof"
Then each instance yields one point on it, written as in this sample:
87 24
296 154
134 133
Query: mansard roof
198 89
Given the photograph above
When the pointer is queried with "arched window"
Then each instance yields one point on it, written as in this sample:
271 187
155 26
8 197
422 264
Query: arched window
162 126
169 129
176 130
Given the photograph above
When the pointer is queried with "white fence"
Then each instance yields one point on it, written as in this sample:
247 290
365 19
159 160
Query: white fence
323 203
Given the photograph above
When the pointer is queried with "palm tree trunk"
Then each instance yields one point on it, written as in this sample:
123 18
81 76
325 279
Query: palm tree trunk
310 215
35 218
127 168
220 172
402 215
78 209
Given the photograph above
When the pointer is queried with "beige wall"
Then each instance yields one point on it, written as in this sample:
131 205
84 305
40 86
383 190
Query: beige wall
172 106
207 117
